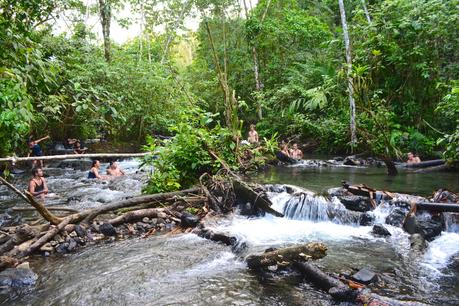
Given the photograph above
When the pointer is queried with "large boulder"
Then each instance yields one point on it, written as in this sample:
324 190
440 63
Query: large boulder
417 243
366 219
429 229
107 229
356 203
17 277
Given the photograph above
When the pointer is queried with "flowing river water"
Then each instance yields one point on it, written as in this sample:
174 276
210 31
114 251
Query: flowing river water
186 269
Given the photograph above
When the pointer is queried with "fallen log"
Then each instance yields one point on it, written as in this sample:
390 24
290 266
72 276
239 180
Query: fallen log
312 250
423 164
333 286
15 159
89 215
440 168
215 236
23 233
138 215
55 208
246 193
438 207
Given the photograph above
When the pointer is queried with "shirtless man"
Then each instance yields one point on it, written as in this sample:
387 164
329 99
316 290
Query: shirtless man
285 150
77 149
37 185
296 153
35 150
114 170
253 135
412 159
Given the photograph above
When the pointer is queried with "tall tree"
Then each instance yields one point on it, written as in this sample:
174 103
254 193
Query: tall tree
105 11
350 85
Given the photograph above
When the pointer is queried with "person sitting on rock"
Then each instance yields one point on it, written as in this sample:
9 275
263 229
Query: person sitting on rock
296 153
114 169
77 149
253 135
412 159
37 185
94 172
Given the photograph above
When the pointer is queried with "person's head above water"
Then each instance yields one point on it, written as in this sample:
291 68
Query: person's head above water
295 146
95 163
37 172
252 127
113 165
410 155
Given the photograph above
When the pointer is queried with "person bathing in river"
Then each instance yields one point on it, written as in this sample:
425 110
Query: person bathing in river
253 135
35 150
296 153
37 185
285 150
412 159
94 172
114 169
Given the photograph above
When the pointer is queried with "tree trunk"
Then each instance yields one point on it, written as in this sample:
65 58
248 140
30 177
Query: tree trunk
105 11
365 10
350 81
312 250
390 165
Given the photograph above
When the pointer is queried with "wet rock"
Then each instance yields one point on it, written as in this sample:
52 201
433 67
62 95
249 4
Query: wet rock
77 164
107 229
351 161
146 220
62 248
410 224
366 219
380 230
154 221
53 243
429 229
72 246
338 192
338 158
80 241
189 220
417 243
396 217
17 278
160 221
5 220
364 276
73 234
356 203
445 196
343 293
81 232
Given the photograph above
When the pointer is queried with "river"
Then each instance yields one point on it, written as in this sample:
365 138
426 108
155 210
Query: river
186 269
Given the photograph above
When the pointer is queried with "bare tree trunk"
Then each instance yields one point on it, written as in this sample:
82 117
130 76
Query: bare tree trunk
350 81
256 69
105 20
365 10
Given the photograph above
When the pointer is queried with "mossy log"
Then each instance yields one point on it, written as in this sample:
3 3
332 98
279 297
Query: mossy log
285 256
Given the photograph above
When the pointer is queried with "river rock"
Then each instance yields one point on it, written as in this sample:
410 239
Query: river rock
81 232
351 161
380 230
160 221
72 245
189 220
7 262
364 276
17 278
107 229
62 248
366 219
429 229
417 243
146 220
356 203
410 224
396 217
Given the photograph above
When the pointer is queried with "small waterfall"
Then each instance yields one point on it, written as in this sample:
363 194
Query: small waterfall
451 222
307 206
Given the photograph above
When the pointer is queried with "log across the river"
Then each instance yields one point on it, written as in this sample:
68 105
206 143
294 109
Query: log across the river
423 164
246 193
438 207
72 156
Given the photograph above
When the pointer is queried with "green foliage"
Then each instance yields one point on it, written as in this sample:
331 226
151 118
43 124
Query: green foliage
449 108
186 156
